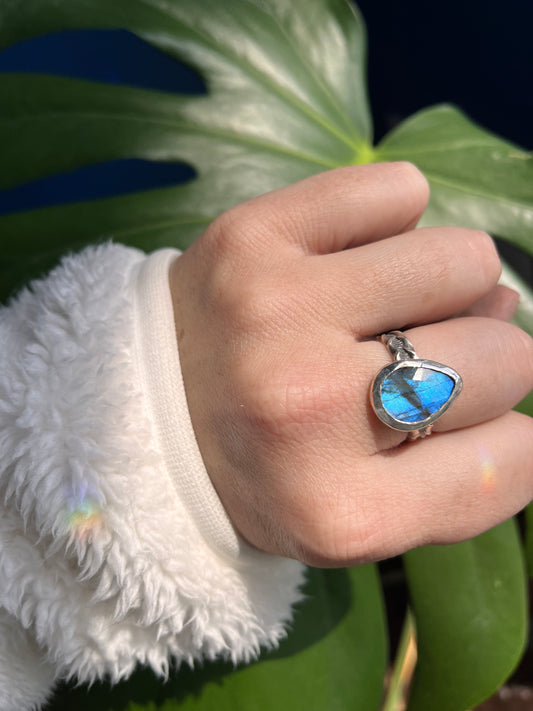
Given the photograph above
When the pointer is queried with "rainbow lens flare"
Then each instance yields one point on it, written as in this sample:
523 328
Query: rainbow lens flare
488 468
84 513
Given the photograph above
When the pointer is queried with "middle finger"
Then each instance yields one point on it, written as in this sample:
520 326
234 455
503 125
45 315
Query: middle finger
418 277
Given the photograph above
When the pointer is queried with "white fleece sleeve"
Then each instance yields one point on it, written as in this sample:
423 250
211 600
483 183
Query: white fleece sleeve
114 547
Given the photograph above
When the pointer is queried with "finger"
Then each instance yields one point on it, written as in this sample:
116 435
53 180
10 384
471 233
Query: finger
500 303
422 276
336 209
494 359
451 487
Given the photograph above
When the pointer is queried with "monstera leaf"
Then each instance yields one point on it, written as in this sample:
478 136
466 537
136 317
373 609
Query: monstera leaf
334 658
286 98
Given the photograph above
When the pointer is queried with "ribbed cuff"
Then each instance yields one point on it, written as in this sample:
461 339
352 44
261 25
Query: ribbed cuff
167 400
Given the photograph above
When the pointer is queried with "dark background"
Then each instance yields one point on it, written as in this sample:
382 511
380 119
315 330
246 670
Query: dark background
477 54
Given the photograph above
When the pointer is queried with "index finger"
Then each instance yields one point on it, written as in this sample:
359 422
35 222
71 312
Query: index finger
337 209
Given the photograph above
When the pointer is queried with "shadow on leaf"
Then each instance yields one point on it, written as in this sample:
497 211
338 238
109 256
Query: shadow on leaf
328 597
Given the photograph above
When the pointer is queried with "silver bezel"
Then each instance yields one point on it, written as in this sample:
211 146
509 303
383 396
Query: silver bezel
384 373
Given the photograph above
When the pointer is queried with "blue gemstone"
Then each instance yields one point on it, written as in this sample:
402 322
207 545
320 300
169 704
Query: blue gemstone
413 394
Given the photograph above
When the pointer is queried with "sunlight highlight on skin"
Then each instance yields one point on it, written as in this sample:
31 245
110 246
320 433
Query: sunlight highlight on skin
488 469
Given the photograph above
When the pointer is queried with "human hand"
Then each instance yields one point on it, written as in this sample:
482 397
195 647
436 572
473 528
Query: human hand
277 307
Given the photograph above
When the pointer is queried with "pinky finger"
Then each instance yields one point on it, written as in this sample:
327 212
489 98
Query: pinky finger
455 485
500 303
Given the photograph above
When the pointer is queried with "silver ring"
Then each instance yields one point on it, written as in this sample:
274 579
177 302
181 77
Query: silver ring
411 393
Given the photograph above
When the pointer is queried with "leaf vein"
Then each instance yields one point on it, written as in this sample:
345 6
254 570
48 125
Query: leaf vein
476 192
237 138
263 79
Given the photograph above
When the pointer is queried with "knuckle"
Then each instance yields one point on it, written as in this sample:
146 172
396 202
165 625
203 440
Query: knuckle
244 300
522 350
340 537
265 398
300 403
253 307
223 235
480 239
334 522
291 399
255 395
239 282
438 251
260 307
485 253
408 172
238 232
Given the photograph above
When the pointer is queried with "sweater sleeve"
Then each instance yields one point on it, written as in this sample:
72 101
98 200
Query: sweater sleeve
114 547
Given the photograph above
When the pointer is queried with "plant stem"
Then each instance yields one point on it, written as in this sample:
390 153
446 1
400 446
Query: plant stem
404 665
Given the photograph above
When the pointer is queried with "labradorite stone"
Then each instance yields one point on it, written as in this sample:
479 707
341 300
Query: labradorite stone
413 394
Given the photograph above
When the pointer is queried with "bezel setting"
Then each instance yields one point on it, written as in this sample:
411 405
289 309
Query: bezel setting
426 422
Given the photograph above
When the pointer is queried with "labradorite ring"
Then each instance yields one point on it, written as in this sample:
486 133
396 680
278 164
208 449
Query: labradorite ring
411 393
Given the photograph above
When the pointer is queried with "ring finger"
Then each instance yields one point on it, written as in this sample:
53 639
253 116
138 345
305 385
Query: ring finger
494 359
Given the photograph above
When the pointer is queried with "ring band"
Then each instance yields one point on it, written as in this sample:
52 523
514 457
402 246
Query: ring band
411 393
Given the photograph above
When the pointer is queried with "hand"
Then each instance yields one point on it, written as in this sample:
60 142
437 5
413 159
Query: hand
277 307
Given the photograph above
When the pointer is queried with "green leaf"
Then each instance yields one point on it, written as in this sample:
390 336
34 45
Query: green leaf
282 77
303 58
469 602
286 99
477 179
44 118
334 658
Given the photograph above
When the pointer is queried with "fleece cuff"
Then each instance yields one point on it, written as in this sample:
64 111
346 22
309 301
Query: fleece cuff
114 547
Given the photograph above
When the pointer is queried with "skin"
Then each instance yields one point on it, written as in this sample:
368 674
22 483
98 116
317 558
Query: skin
277 307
